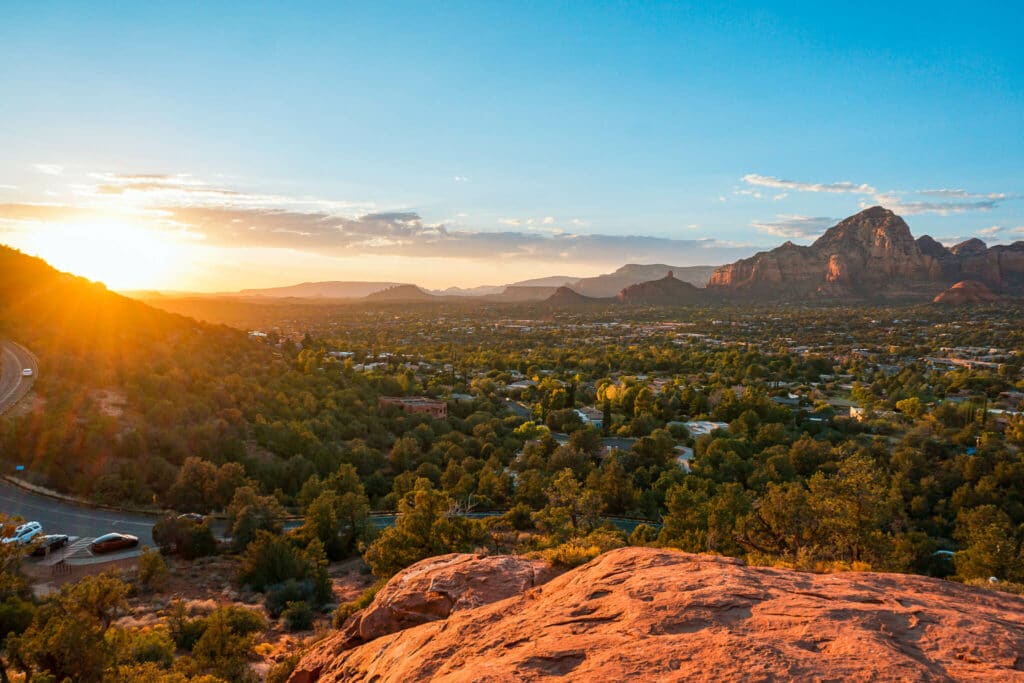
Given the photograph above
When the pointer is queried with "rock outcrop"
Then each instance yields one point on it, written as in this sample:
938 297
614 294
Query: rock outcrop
668 291
643 614
427 591
869 255
966 292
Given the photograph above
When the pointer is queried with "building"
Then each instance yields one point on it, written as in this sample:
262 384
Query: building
416 404
592 417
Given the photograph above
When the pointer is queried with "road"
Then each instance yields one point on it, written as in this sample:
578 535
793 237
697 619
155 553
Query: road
13 386
58 517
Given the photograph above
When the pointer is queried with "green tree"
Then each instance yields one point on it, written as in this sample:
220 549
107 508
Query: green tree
572 510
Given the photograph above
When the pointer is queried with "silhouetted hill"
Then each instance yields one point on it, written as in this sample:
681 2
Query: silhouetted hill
611 284
322 290
565 297
668 291
401 293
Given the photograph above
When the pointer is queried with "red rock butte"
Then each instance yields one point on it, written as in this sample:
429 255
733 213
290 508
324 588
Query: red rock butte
643 614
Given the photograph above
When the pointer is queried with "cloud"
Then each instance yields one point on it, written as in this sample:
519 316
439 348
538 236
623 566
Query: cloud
964 194
214 215
991 231
48 169
460 179
794 226
771 181
908 208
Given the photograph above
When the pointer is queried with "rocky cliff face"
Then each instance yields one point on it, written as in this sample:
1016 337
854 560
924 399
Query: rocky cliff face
867 255
668 291
646 614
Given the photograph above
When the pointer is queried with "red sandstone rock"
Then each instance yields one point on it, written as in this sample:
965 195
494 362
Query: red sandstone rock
867 255
428 591
641 614
966 292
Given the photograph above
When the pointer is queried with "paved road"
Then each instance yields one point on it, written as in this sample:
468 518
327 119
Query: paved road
14 359
58 517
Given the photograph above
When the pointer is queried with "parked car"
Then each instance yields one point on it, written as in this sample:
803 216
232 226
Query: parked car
113 541
48 543
193 517
25 533
27 372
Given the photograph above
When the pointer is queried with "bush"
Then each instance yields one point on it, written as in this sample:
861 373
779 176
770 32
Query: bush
298 616
154 646
280 672
347 609
280 595
153 572
184 537
579 551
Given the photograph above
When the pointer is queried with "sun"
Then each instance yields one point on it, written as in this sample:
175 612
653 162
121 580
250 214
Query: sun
121 255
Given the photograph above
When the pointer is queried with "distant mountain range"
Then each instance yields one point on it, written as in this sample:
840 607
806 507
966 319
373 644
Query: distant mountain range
870 256
538 289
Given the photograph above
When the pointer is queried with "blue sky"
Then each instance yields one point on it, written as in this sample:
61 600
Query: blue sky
435 139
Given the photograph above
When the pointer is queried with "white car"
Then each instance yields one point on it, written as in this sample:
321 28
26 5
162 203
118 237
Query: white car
27 372
25 533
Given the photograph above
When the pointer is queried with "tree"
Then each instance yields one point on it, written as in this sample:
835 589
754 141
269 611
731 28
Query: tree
250 513
572 510
854 508
991 545
422 529
66 638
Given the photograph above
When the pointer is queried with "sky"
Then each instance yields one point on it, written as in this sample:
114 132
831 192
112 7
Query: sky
217 146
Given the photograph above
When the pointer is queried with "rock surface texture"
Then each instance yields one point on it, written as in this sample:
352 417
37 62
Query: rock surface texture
871 254
642 614
428 591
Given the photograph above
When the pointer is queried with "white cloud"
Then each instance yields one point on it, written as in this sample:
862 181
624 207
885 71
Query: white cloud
772 181
991 231
48 169
460 179
548 220
781 195
908 208
964 194
794 226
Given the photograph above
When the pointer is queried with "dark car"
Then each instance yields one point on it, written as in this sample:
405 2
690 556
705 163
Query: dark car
111 542
193 517
49 543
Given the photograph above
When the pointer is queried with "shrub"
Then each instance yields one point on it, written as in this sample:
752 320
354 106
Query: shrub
347 609
154 646
298 616
280 595
153 572
280 672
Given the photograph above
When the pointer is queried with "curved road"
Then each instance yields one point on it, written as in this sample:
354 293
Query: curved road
13 385
59 517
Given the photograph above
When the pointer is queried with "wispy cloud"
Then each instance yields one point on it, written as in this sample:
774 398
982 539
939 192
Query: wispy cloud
48 169
772 181
964 194
460 179
991 231
794 226
906 207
